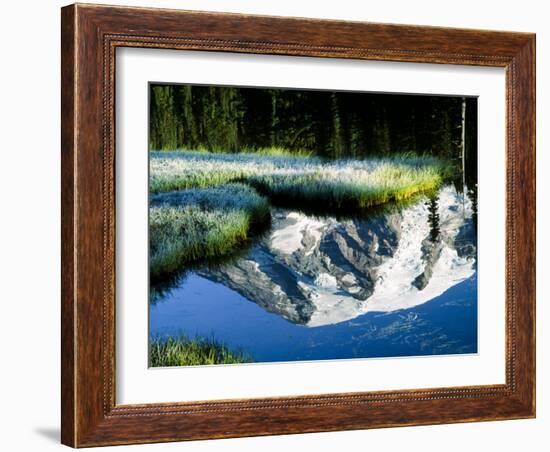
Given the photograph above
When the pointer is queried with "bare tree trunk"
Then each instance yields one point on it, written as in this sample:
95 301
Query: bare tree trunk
463 152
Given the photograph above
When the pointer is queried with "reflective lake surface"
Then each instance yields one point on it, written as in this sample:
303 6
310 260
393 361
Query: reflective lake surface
398 283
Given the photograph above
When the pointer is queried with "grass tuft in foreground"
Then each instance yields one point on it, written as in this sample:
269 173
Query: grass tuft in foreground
198 224
182 351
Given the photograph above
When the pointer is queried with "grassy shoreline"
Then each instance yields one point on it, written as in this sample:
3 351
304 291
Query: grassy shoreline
363 183
207 205
202 224
349 192
183 351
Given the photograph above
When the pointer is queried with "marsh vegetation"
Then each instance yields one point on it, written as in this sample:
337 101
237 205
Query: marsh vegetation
201 224
205 205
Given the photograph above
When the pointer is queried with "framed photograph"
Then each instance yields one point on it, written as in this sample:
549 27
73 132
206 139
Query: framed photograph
281 225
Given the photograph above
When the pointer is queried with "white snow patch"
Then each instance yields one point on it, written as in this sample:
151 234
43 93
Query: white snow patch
349 278
288 240
327 281
393 289
331 305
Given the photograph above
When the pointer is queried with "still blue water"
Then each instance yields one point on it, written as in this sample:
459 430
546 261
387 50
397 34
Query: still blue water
200 307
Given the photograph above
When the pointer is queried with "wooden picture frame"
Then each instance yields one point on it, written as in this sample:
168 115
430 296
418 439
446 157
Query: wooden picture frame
90 36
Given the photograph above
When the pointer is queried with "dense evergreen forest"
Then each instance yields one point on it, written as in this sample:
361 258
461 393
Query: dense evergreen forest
326 123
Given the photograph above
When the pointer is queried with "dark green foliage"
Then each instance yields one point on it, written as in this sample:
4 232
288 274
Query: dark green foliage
327 123
165 127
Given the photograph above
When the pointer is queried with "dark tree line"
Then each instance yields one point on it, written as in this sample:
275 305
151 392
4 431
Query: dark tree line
330 124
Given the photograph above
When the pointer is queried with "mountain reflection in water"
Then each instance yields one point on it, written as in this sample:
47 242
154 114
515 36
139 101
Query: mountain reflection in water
402 283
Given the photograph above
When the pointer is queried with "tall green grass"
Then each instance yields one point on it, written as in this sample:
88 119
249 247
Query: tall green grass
354 190
340 184
199 224
275 151
182 351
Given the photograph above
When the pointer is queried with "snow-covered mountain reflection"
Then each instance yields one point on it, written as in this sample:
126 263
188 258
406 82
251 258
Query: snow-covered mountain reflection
318 271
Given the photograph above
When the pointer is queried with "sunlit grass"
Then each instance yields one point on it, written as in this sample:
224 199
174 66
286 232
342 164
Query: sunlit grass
198 224
349 188
206 205
339 184
182 351
275 151
179 170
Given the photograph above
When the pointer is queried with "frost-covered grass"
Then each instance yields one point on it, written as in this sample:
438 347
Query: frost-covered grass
202 223
182 351
191 169
341 184
206 205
